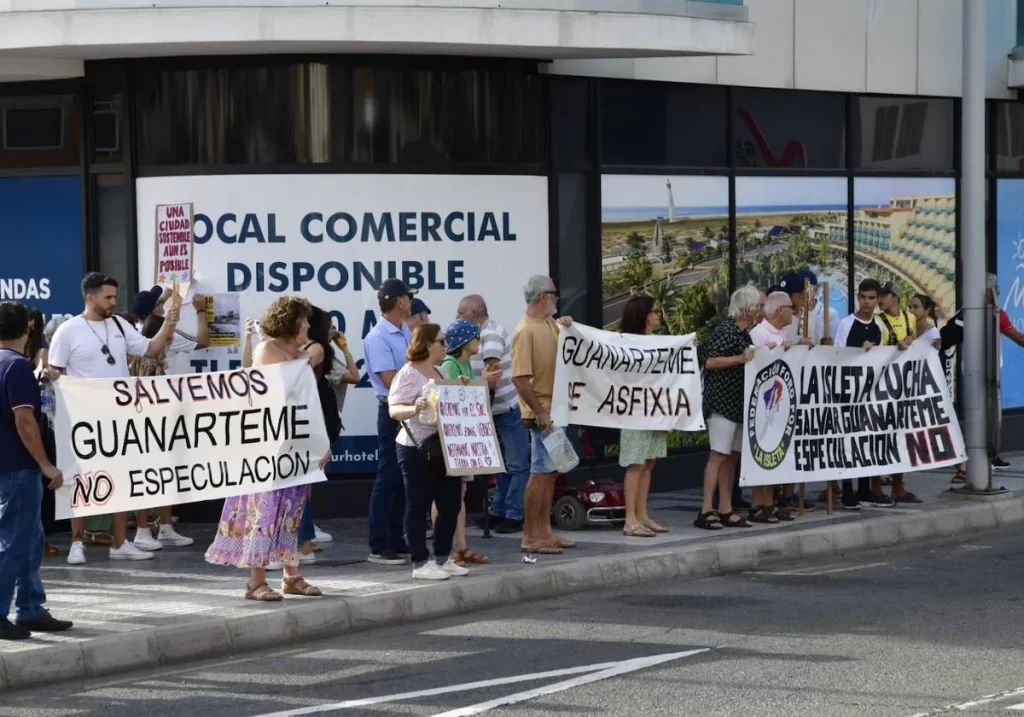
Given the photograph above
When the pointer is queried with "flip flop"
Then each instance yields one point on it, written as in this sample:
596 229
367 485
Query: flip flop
564 543
543 550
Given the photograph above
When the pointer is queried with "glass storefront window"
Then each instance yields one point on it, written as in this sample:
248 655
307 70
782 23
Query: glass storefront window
779 129
39 131
315 113
904 133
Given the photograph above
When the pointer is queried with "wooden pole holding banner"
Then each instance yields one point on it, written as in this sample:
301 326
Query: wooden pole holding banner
825 332
806 334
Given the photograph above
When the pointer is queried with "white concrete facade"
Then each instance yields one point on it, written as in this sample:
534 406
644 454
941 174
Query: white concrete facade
903 47
37 36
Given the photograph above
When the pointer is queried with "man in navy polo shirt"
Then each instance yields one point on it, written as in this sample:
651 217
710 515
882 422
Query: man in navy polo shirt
22 459
384 353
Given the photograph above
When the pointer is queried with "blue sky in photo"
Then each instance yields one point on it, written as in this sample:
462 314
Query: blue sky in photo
697 191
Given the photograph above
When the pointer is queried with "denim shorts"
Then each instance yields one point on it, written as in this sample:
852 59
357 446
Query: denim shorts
540 460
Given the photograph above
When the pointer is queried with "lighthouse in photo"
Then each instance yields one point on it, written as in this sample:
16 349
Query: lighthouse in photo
671 202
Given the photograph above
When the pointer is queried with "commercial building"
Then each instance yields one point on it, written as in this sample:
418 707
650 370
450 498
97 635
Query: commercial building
462 146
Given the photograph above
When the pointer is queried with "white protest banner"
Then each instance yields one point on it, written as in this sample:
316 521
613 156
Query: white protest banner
832 413
626 381
174 244
135 443
466 429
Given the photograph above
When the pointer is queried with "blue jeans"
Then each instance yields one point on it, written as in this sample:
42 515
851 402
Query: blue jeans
387 500
21 543
306 529
514 442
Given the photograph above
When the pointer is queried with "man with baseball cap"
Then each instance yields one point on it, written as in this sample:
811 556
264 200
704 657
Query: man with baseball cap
807 303
185 340
384 353
419 314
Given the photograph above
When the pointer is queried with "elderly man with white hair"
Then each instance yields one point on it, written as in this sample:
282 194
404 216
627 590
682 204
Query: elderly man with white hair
534 348
771 333
726 351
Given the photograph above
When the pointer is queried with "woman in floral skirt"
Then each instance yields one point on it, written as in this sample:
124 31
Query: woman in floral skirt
638 450
262 528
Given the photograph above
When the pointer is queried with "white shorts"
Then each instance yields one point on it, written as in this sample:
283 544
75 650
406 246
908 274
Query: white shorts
724 435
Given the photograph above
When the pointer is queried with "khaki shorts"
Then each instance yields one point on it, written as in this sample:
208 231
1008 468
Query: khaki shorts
724 435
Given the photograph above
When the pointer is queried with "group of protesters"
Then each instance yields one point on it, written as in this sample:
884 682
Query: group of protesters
412 496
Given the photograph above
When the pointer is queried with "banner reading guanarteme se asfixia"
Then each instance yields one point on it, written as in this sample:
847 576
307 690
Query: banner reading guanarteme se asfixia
136 443
832 413
626 381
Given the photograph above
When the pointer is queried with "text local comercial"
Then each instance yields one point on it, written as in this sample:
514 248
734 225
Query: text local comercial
344 227
146 435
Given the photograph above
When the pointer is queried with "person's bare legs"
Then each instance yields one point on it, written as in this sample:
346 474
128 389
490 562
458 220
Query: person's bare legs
726 471
533 506
142 519
120 529
643 491
77 530
459 543
631 485
711 480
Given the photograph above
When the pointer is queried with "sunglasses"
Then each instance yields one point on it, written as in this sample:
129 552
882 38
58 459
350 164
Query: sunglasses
440 341
106 352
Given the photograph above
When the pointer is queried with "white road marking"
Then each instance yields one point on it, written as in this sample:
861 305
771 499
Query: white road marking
987 699
814 572
620 668
601 670
1019 707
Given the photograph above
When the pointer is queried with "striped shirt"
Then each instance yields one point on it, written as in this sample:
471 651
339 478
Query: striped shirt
496 344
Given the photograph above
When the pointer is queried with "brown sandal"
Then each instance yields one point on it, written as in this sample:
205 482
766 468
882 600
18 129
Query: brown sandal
470 557
297 585
262 593
51 551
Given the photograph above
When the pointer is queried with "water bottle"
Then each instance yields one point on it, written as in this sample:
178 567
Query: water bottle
48 401
428 415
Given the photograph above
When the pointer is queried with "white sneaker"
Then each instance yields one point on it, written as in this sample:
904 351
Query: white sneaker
273 565
76 555
303 560
429 571
169 536
144 540
454 569
321 537
129 551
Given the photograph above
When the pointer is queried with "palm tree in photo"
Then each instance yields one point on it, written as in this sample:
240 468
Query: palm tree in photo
664 294
635 241
709 233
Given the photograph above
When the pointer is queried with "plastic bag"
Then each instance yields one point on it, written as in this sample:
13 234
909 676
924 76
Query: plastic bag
559 447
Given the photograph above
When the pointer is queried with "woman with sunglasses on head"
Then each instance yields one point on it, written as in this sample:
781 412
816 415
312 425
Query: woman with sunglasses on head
923 309
258 529
423 470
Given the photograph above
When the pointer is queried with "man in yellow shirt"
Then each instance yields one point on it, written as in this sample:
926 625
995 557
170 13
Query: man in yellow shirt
899 328
534 347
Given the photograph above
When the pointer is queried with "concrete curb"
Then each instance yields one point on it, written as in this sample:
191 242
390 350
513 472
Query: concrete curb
331 616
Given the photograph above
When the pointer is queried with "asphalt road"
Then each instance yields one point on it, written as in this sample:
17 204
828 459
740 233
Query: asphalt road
931 629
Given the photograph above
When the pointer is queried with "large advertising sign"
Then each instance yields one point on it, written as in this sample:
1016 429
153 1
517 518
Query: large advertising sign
1010 260
41 243
832 413
334 238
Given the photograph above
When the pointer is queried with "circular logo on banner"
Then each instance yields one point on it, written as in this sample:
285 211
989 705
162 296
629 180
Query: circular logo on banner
771 419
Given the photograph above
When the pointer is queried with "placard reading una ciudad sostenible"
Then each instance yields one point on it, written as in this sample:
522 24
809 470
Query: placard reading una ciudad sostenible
135 443
832 413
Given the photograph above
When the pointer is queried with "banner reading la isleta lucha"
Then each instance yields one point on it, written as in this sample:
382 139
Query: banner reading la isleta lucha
135 443
626 381
836 413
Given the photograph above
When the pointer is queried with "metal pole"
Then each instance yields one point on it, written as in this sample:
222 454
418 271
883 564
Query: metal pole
972 245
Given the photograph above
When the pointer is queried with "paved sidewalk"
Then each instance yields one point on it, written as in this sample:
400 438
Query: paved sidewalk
177 608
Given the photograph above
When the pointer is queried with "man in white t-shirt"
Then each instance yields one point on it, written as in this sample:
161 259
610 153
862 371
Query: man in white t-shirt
97 344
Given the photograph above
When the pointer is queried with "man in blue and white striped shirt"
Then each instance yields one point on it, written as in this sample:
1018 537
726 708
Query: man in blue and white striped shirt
506 514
